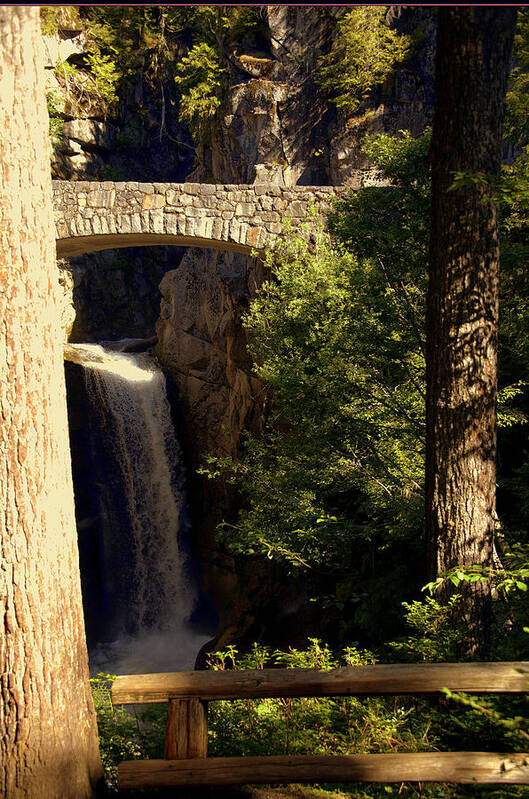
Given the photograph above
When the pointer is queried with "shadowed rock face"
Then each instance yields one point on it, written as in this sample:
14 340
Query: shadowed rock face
202 344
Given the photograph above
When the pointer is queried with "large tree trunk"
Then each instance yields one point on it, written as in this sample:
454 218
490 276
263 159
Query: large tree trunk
48 740
473 53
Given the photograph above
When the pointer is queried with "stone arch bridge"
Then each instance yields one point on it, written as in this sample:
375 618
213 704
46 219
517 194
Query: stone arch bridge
98 216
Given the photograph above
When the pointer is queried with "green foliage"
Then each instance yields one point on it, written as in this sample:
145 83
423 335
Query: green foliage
200 80
329 725
136 38
124 41
117 729
55 119
310 725
106 76
365 52
378 724
124 734
435 637
517 726
337 334
202 74
343 435
504 580
91 86
48 21
517 114
119 42
335 483
246 22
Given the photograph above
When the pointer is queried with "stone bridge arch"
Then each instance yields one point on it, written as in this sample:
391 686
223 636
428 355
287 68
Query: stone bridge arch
92 216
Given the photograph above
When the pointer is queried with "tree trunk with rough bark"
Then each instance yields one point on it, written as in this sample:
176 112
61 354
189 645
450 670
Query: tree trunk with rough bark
473 55
48 739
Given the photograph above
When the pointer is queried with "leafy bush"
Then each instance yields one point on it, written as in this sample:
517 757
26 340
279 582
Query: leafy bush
365 51
117 729
435 637
310 725
55 119
124 734
334 484
330 725
200 80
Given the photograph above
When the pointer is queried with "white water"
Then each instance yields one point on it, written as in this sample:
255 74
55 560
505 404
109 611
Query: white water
154 596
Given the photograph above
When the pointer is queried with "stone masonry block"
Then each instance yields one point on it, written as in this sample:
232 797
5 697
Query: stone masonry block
253 236
173 197
216 229
171 224
145 222
153 201
124 223
296 208
245 209
157 221
101 199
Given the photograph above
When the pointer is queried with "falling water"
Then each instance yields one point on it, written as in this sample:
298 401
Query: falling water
146 597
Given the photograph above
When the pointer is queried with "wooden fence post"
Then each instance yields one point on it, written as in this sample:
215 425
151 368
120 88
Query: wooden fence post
186 732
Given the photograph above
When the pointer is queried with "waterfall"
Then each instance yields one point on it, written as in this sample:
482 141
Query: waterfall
145 597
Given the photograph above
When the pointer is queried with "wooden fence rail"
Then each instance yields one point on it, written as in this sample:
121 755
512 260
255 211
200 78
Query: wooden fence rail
187 693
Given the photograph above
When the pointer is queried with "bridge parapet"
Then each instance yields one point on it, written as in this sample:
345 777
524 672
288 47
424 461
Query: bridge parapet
93 216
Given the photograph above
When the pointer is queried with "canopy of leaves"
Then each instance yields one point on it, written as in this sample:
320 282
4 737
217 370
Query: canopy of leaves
200 80
335 484
155 42
364 53
202 75
516 121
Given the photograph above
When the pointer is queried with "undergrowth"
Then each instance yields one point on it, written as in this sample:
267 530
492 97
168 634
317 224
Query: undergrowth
335 725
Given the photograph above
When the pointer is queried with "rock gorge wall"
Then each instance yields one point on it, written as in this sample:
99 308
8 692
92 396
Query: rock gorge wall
277 127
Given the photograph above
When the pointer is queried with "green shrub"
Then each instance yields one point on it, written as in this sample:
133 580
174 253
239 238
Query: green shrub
310 725
332 725
125 734
364 53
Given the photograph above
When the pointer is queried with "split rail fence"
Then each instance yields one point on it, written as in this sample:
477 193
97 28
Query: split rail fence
187 694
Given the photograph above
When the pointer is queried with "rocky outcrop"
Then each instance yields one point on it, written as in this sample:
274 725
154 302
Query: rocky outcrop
115 293
276 117
202 345
139 139
403 102
65 297
278 124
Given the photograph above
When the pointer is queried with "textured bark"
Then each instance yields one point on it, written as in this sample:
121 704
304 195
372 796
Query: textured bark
473 54
48 741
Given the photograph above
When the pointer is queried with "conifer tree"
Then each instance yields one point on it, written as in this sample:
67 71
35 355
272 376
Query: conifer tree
473 58
48 741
